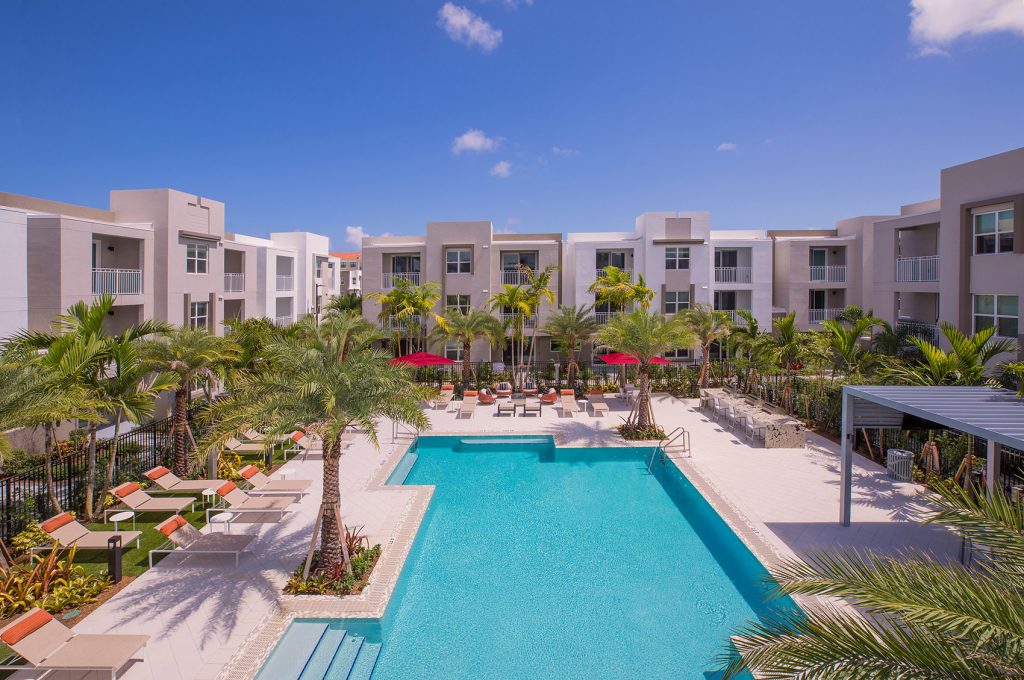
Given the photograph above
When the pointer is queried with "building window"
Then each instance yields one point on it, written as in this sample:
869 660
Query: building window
457 303
677 258
196 255
1001 311
453 350
993 232
558 345
678 354
199 314
676 301
459 260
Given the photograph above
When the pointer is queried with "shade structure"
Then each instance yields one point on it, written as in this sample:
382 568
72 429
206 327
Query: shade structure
421 359
620 359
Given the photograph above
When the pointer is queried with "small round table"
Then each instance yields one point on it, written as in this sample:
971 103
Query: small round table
210 496
123 517
286 474
223 518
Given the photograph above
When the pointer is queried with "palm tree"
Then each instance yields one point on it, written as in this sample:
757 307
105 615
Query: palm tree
349 302
749 342
466 329
538 287
964 364
515 299
191 354
892 341
408 305
708 326
571 326
786 346
645 336
318 384
847 343
347 329
925 618
617 288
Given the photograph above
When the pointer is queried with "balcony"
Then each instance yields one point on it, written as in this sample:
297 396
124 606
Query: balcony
509 318
514 277
917 269
285 283
117 281
399 324
285 320
628 272
918 329
605 317
835 273
388 280
734 314
819 315
732 274
234 282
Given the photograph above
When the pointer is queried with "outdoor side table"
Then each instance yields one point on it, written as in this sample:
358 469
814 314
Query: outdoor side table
123 517
209 497
286 474
223 518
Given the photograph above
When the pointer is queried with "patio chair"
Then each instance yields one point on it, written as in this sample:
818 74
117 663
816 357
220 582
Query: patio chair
485 397
168 481
263 484
443 399
569 405
183 538
132 496
595 399
504 389
721 408
531 406
506 406
738 420
240 502
550 397
627 392
755 430
707 402
468 404
48 645
67 531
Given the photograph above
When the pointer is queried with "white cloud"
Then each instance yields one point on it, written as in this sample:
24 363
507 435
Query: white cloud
564 152
463 26
514 4
474 140
354 235
937 23
726 146
501 169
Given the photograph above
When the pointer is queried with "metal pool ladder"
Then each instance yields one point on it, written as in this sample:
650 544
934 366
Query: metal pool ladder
679 434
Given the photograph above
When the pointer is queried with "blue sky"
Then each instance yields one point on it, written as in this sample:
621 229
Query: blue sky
582 114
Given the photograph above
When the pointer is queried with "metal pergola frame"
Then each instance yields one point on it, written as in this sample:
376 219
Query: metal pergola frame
995 415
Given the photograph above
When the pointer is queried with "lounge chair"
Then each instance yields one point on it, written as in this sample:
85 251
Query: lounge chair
67 531
257 436
504 389
168 481
443 399
532 406
569 405
595 399
263 484
240 502
183 538
132 495
486 398
301 443
468 404
506 406
550 397
236 446
48 646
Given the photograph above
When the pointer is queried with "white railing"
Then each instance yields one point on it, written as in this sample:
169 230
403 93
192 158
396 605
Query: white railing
388 280
600 273
732 274
285 282
833 272
924 268
393 323
234 283
283 320
919 329
734 314
604 317
819 315
117 281
510 318
514 277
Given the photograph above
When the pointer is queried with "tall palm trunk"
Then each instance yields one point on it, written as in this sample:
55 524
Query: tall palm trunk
467 364
180 429
108 478
705 351
644 417
90 470
333 550
51 490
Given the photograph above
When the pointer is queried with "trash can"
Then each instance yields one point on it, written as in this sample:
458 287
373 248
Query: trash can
900 464
114 558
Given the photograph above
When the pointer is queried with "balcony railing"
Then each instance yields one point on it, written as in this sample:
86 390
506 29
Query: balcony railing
285 282
628 272
388 280
117 281
732 274
734 314
836 273
919 329
605 317
393 323
285 320
514 277
509 318
819 315
234 283
925 268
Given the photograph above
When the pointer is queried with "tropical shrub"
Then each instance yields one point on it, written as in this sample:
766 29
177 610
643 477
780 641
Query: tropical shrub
28 539
341 582
52 582
633 432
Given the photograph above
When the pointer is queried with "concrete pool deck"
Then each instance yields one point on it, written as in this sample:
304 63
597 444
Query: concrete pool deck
208 620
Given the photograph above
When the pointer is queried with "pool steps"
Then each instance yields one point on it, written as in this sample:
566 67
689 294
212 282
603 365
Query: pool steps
402 470
313 650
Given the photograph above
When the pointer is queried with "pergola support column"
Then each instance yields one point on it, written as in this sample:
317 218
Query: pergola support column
992 466
846 461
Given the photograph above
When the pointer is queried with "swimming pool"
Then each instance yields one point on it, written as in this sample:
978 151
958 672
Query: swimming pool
540 562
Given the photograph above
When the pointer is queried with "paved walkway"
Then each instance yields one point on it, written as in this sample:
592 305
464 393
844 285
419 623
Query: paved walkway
783 502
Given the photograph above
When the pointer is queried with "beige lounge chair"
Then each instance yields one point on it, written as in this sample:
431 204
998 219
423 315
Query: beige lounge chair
67 531
299 443
239 502
168 481
49 646
132 495
468 404
257 436
442 400
183 538
263 484
595 399
569 405
235 446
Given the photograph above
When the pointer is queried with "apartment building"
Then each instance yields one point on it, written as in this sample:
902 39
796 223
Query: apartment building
14 274
351 271
164 254
470 264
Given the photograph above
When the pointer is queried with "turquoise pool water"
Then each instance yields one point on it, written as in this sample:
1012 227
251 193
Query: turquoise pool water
541 562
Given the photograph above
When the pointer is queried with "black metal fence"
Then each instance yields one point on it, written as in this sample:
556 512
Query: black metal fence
25 499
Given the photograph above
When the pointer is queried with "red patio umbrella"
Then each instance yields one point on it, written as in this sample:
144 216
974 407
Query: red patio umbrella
421 359
620 359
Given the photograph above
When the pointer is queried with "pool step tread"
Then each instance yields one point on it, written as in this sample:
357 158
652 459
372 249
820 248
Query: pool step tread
344 658
320 660
293 650
362 669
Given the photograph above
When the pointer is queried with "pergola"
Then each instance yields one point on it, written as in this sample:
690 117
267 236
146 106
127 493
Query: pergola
995 415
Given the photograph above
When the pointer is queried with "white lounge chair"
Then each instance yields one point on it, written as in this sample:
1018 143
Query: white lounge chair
132 495
468 404
240 502
442 400
67 531
263 484
183 538
595 399
569 405
168 481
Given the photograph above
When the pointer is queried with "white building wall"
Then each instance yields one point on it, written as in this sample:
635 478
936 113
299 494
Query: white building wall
14 273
